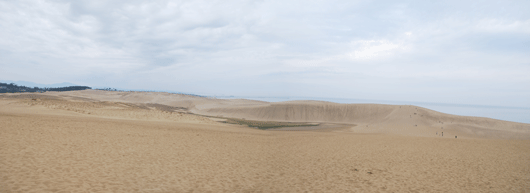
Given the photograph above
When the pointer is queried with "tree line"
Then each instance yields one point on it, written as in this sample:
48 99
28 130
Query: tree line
12 88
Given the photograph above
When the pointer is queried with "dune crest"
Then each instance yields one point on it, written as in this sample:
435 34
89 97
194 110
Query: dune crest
368 118
378 118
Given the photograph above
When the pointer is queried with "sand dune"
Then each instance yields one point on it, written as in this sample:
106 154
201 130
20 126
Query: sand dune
95 141
368 118
377 118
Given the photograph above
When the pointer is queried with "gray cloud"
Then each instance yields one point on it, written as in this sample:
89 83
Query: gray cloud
450 51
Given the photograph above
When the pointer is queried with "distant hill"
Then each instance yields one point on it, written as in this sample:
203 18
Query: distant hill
12 87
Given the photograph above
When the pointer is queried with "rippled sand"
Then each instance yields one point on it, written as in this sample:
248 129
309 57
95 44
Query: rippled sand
68 144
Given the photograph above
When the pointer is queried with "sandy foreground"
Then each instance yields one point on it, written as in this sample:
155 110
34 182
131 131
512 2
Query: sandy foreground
94 141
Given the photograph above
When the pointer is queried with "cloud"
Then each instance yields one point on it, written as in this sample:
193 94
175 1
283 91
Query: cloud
327 47
369 49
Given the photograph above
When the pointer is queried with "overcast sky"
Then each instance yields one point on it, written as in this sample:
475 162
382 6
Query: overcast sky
470 52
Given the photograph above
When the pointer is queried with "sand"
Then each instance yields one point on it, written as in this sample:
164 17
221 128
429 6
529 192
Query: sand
95 141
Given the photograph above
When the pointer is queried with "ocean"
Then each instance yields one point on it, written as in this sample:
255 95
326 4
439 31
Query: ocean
515 114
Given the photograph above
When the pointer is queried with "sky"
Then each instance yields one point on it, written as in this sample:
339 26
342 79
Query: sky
463 52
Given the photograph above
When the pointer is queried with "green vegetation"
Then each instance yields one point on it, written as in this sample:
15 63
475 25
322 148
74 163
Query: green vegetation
262 124
13 88
266 124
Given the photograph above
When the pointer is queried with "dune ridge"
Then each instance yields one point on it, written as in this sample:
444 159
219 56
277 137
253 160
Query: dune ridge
378 115
368 118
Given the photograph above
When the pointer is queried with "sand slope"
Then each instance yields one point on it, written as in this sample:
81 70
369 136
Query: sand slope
93 141
368 118
79 145
377 118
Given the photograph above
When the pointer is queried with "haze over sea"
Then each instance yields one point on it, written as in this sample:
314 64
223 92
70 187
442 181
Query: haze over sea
516 114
